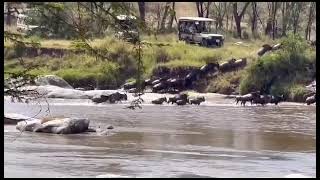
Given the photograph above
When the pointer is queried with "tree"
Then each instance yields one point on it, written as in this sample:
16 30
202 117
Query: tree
172 15
164 17
297 8
78 21
238 17
202 9
312 7
142 11
220 10
285 11
10 9
254 19
274 13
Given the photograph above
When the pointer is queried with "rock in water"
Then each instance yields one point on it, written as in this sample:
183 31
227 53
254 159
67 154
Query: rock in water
56 125
54 81
12 118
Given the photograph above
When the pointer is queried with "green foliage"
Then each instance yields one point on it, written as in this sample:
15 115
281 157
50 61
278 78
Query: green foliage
276 72
294 44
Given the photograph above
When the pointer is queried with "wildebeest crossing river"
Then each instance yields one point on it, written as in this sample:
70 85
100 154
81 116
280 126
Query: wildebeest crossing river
215 139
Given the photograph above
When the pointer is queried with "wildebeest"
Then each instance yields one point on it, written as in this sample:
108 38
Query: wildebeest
112 98
157 81
129 85
148 82
159 86
265 48
240 63
132 90
311 99
177 97
159 101
197 100
209 68
276 46
100 99
177 84
194 75
265 99
262 99
277 99
248 97
182 102
227 66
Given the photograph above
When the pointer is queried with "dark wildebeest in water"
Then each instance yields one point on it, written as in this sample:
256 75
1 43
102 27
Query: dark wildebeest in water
197 100
159 101
247 97
114 97
265 99
177 97
182 102
100 99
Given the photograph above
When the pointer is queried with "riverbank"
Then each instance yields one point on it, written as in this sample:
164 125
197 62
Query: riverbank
82 70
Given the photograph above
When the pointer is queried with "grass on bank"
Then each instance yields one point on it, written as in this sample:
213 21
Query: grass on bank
80 70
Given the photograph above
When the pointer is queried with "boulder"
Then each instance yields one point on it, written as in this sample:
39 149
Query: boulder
55 125
12 118
52 80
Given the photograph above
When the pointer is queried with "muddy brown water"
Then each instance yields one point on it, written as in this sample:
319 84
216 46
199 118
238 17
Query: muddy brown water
215 139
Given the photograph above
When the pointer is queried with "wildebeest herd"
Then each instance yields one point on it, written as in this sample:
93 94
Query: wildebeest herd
175 85
183 99
256 98
179 99
111 98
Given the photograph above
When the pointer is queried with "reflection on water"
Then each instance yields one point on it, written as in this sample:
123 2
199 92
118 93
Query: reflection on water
168 141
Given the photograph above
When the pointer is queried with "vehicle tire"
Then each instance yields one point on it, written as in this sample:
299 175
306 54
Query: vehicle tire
204 43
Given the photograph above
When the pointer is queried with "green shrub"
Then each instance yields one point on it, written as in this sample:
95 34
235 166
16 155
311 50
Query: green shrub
286 66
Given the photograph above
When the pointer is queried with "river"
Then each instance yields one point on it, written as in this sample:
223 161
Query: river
215 139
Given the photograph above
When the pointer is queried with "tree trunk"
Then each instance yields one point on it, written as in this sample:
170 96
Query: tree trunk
274 13
254 19
208 9
200 9
8 20
158 16
310 19
238 17
297 7
284 18
172 15
164 17
142 11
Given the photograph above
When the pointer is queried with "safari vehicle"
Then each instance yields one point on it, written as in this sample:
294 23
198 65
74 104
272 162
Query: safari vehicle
199 30
127 28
